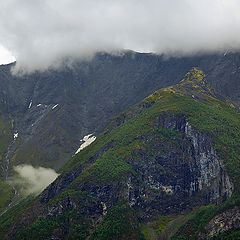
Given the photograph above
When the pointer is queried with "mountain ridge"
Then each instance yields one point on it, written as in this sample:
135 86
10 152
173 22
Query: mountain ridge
88 94
164 157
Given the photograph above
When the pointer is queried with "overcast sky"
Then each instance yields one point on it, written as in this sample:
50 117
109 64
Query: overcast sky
39 33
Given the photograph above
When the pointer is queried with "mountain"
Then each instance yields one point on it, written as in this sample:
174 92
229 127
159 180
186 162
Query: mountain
50 112
168 167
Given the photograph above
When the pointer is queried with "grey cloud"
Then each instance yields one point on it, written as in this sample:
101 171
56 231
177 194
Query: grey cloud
42 32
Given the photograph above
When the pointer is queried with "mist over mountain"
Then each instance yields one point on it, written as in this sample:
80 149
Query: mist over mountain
52 111
40 34
119 120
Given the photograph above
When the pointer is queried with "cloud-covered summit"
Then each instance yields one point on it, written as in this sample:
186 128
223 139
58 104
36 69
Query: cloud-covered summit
40 33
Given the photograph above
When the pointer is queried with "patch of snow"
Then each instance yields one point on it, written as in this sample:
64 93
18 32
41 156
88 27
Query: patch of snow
15 135
30 104
54 106
225 54
87 140
39 105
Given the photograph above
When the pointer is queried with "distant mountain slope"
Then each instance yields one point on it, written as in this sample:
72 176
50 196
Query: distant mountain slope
6 191
175 151
53 110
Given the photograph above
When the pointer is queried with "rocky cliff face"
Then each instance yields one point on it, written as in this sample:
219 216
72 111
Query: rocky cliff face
161 158
174 175
211 172
229 220
51 111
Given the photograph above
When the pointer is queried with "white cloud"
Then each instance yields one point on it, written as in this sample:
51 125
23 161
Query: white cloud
41 32
5 56
33 180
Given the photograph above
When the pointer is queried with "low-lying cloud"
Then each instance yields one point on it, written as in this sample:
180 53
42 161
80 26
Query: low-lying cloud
5 56
40 33
31 180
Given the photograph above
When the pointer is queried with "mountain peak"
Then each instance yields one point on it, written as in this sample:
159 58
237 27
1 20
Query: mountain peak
194 84
174 152
195 78
195 75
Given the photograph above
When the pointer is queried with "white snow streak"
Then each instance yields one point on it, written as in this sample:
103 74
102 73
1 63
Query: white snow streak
15 135
30 104
54 106
87 140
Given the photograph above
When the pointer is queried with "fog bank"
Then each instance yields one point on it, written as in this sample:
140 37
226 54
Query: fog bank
41 33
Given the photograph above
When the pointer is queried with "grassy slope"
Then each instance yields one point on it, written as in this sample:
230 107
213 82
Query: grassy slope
205 112
6 193
221 121
209 115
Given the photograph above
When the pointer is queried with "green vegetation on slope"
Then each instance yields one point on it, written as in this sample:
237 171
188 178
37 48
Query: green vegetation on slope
119 223
213 117
154 229
108 159
197 220
6 193
209 115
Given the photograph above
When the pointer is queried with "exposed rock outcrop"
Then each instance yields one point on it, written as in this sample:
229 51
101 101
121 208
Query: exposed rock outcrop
182 175
160 159
226 221
193 173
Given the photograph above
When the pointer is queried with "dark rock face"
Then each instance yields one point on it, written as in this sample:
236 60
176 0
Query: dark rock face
180 177
174 176
66 204
53 110
211 172
59 185
188 174
226 221
65 180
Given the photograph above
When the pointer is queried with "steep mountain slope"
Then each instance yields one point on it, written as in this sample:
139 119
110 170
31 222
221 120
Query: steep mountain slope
6 191
175 151
53 110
